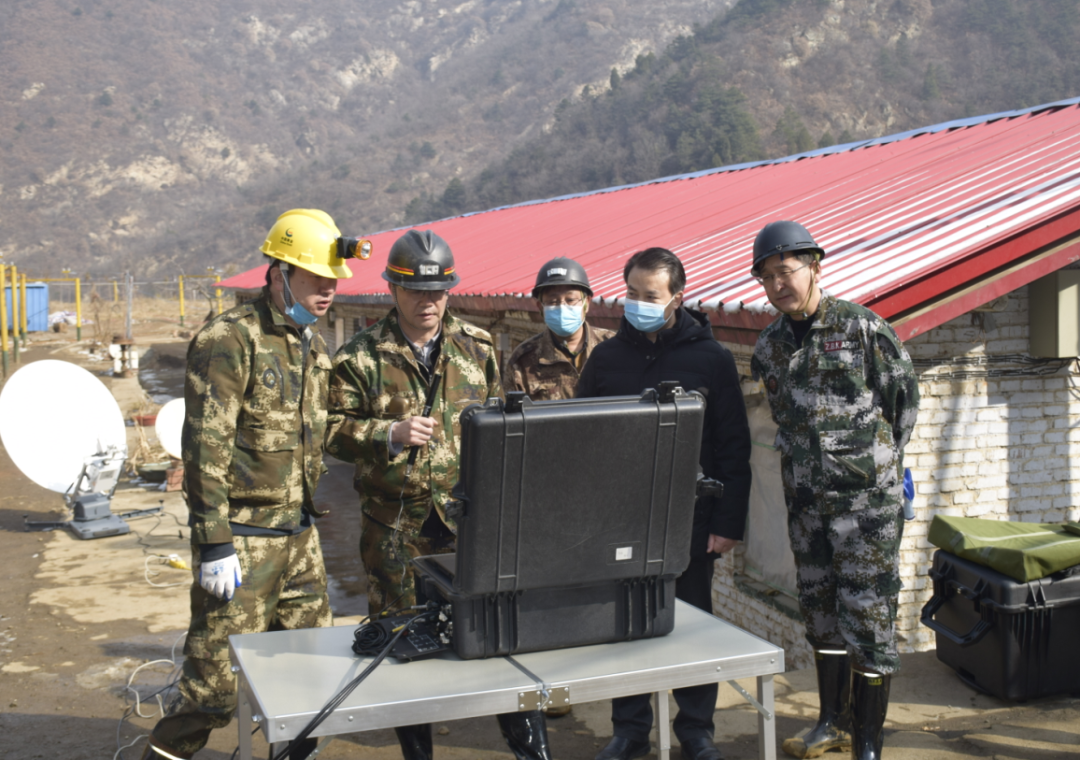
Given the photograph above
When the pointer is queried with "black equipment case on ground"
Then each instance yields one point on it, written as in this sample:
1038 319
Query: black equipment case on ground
1007 638
574 519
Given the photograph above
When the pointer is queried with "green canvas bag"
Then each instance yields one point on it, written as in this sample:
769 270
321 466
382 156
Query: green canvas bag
1023 551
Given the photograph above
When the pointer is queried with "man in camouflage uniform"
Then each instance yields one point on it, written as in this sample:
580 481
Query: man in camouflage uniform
548 365
844 396
255 399
381 380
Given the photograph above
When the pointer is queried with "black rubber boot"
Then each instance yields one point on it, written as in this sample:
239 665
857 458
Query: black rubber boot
154 750
869 703
834 719
415 741
526 734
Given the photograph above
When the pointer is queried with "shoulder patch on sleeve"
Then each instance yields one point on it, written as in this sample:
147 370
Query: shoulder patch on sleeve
885 331
475 332
237 313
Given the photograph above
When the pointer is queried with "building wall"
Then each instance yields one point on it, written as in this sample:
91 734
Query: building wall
994 439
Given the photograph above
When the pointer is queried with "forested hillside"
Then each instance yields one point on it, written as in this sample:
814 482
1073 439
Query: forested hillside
777 77
164 138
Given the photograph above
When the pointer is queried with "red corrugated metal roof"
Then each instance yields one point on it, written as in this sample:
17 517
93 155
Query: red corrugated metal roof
905 221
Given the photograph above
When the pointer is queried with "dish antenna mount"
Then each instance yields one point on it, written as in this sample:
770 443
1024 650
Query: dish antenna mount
64 431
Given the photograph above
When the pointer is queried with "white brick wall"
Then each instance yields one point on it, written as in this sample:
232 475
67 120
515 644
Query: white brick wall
992 447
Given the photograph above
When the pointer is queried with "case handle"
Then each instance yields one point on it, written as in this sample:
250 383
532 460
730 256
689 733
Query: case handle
709 487
931 608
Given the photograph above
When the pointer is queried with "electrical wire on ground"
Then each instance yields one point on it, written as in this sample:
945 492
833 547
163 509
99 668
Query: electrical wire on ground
171 680
173 560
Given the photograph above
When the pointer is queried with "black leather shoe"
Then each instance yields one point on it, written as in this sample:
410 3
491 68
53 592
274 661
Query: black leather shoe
526 734
620 748
701 748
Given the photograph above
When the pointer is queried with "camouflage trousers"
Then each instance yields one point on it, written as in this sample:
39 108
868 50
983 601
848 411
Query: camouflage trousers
283 586
849 580
386 558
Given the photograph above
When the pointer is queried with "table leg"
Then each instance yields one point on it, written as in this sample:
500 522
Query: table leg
243 719
766 720
663 726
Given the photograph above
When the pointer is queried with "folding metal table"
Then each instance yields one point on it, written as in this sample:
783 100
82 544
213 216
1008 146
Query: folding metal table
286 677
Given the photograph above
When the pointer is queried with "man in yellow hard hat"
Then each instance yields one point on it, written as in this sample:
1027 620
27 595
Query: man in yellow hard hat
255 396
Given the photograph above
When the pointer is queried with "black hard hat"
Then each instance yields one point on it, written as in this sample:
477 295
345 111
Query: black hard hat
783 237
561 271
421 260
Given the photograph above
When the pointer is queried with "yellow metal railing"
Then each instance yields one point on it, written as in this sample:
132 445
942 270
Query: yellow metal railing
22 307
15 313
3 317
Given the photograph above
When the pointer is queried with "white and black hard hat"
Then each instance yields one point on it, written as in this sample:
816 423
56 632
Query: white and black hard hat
561 271
783 237
421 260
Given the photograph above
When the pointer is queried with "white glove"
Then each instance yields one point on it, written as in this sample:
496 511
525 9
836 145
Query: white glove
221 577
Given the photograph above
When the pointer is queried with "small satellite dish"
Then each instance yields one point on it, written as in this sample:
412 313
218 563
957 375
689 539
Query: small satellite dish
170 423
54 416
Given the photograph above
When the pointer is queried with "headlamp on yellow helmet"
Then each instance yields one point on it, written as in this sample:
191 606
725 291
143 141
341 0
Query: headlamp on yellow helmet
308 238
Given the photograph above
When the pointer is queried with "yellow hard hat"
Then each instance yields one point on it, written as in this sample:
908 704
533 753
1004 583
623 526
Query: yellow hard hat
309 239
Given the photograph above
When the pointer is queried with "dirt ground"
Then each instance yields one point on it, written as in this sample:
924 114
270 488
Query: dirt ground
78 618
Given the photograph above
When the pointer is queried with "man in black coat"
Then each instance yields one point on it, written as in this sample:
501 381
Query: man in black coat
659 340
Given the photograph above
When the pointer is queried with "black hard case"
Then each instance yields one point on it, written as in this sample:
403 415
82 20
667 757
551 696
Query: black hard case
491 625
1007 638
574 520
557 493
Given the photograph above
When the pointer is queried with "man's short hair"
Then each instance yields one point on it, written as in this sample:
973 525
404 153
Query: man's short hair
658 260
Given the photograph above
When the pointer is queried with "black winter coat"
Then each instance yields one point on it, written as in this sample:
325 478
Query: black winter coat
687 352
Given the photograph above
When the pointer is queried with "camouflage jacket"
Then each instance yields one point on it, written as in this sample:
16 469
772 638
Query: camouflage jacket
845 403
255 422
541 370
377 382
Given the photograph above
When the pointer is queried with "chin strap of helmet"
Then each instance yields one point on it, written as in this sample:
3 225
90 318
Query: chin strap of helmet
293 310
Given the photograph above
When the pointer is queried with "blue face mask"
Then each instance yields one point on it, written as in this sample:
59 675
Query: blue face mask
564 320
295 311
644 316
300 315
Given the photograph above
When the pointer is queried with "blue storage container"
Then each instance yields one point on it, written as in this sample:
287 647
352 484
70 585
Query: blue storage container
37 307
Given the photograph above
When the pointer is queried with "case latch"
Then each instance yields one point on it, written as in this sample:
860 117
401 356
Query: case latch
515 400
668 391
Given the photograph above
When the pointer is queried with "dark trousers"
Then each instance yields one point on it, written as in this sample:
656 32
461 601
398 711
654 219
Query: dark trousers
632 717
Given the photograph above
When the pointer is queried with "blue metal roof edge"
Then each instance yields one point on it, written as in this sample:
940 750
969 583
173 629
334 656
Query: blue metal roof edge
832 149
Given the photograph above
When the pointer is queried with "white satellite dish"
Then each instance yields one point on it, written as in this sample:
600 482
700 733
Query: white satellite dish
54 415
169 425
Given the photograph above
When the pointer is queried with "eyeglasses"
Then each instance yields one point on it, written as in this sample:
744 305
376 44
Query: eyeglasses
434 295
779 276
572 301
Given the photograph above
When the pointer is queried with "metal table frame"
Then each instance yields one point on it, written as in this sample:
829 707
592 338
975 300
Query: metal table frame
285 678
